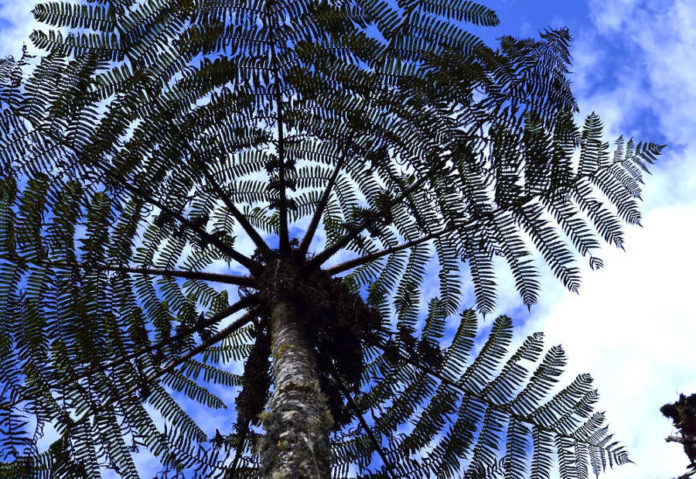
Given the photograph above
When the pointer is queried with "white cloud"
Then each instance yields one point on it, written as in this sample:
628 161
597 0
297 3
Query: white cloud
17 24
632 327
611 15
633 324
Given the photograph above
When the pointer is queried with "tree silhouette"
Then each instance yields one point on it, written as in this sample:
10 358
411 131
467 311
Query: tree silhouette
188 184
683 415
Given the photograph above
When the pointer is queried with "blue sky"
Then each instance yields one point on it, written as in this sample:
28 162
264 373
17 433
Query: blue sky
632 325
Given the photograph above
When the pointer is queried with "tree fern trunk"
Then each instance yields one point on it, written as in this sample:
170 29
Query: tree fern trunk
298 423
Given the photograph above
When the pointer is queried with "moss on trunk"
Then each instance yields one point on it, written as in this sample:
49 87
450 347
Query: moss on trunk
298 421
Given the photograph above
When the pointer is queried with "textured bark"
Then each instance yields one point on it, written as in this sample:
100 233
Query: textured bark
297 425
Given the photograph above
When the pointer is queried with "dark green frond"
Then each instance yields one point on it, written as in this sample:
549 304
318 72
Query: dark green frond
493 410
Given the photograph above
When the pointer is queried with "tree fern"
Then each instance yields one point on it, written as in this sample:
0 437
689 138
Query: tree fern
178 180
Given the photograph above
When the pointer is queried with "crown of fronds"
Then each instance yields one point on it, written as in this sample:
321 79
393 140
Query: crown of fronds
155 140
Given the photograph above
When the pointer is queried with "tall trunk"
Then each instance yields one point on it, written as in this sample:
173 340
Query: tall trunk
297 425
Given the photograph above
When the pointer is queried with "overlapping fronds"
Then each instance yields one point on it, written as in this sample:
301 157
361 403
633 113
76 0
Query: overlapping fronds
157 143
496 412
417 134
85 348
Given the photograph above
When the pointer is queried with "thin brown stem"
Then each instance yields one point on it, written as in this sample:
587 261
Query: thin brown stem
365 427
238 306
250 264
373 256
247 318
339 268
245 261
219 336
284 237
331 250
239 450
238 215
245 281
321 206
241 219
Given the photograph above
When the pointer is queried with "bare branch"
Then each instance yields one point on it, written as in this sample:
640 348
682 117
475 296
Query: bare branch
284 239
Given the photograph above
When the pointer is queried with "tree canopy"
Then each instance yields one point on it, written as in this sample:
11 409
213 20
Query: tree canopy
170 168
